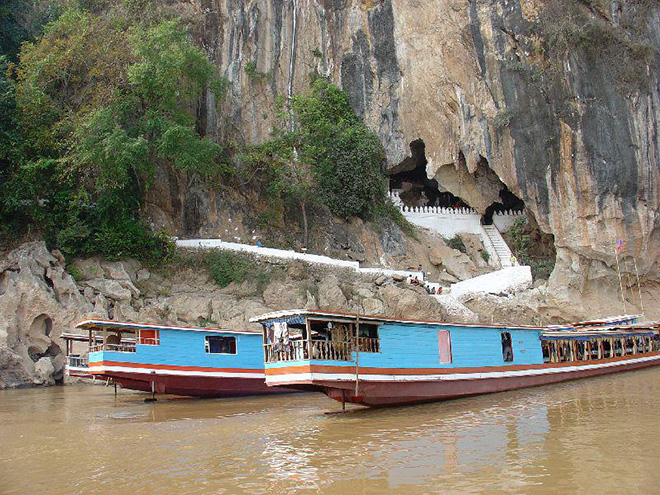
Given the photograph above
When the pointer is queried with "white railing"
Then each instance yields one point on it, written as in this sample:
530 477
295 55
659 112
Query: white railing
395 198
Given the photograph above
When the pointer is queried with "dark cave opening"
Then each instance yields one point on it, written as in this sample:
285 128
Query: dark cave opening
508 202
410 180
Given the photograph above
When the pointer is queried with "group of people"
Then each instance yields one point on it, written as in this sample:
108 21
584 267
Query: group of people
420 280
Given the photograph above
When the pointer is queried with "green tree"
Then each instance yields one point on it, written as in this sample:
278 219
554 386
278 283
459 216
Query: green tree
101 103
344 154
330 157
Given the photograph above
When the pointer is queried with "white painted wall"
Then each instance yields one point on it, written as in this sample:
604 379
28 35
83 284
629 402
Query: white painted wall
448 225
504 221
266 252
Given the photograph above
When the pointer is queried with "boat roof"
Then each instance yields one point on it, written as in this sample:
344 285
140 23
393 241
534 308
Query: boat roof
290 315
611 320
132 326
637 329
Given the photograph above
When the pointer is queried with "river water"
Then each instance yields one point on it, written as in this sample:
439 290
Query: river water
599 435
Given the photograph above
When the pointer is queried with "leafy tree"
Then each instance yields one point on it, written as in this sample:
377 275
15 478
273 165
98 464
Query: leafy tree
344 154
100 103
329 158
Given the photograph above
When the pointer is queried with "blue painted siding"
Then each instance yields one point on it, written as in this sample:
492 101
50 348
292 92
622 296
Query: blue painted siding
416 346
181 348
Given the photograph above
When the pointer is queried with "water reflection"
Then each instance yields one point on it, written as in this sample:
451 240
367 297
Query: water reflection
576 436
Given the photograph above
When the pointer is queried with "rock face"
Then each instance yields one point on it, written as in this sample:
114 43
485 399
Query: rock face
39 301
558 100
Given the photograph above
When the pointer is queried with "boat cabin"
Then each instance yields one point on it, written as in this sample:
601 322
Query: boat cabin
317 336
168 344
596 343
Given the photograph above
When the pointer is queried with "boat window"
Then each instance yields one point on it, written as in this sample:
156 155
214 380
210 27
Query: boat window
582 353
656 342
220 345
149 337
607 348
444 346
545 348
618 348
368 338
507 347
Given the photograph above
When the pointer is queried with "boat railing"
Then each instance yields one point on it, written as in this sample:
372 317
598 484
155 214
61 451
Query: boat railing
330 350
78 362
295 350
327 350
367 344
113 347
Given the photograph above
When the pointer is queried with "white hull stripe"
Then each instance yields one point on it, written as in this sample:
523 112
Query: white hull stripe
165 372
309 377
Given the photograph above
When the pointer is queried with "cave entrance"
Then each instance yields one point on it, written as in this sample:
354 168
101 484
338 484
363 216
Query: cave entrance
509 202
410 180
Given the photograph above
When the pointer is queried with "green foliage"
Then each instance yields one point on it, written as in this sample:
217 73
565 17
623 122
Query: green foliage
522 241
75 272
456 242
225 267
330 158
542 268
345 156
96 104
484 255
253 74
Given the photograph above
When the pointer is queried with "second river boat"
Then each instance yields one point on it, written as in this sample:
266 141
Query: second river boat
378 361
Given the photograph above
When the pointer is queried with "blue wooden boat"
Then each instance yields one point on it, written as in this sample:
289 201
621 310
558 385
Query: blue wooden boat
377 361
190 361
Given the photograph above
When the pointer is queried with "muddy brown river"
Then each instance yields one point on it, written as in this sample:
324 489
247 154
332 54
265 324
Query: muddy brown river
599 435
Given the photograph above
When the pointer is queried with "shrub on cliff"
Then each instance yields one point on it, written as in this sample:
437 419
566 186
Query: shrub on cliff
100 102
345 155
330 157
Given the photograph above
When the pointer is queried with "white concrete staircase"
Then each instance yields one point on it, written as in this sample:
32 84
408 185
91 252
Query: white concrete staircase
495 244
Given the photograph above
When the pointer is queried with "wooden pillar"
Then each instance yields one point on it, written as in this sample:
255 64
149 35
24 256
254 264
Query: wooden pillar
308 326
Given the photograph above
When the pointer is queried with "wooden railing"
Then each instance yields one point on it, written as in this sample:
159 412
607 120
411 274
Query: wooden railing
332 351
365 344
113 347
295 350
327 350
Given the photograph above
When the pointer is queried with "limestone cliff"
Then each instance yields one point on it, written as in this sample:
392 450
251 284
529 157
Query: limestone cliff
557 100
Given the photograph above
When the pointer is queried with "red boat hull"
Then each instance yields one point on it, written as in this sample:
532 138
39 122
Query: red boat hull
160 381
382 393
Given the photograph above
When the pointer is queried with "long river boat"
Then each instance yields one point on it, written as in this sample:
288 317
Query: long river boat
377 361
165 359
